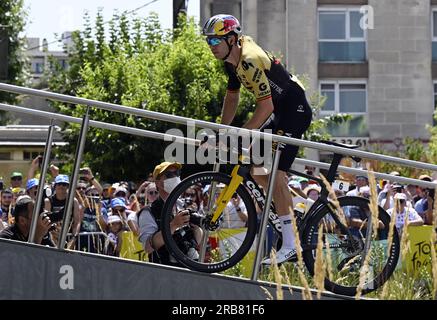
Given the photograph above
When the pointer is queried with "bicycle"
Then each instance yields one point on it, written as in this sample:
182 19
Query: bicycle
221 248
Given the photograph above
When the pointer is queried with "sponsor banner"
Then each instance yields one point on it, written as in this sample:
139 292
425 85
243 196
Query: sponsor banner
131 248
419 253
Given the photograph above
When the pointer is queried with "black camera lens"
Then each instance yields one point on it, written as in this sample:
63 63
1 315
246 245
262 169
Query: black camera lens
196 218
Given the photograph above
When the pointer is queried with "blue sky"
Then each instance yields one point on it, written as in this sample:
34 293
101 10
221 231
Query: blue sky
47 17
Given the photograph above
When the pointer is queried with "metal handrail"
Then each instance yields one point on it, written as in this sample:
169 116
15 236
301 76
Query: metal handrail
168 137
205 124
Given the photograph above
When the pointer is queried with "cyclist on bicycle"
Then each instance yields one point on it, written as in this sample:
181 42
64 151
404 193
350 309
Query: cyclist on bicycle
281 106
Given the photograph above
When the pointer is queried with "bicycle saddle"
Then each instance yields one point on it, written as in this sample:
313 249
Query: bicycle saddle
348 146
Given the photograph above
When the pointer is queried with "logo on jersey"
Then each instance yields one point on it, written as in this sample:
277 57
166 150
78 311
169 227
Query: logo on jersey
274 86
300 108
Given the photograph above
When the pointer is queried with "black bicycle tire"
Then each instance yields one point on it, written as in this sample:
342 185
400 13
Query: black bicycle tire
381 278
173 248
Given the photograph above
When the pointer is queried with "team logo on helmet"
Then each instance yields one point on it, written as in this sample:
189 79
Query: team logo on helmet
221 25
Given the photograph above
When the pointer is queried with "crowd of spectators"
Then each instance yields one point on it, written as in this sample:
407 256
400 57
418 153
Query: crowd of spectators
102 211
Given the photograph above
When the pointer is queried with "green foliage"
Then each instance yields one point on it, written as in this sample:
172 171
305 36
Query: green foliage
12 21
412 149
145 67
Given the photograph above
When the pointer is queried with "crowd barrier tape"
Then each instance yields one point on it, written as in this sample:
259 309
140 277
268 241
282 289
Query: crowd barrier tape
419 252
131 248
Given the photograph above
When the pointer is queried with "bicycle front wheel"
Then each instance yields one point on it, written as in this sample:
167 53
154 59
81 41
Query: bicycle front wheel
218 246
348 248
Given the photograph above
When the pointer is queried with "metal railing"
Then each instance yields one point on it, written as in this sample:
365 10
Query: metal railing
202 124
205 124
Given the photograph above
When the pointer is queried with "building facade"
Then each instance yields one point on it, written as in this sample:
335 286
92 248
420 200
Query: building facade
373 59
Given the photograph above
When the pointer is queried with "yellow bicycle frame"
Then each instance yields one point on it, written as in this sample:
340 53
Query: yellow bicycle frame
226 195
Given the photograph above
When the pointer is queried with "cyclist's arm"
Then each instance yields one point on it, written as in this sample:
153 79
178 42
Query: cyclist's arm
262 112
230 105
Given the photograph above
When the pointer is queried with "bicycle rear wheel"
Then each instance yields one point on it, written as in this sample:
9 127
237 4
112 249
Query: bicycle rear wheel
222 245
349 247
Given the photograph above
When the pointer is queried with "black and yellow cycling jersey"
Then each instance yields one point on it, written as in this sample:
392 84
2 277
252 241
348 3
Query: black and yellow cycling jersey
261 73
264 75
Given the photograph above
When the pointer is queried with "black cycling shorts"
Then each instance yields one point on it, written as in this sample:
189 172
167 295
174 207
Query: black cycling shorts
291 118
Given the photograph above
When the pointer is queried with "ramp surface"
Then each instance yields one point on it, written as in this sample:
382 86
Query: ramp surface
35 272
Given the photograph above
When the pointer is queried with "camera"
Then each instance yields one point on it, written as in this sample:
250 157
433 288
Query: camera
187 202
40 160
56 216
195 218
53 223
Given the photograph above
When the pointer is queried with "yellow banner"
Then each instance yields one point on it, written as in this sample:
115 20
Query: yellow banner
238 234
131 248
419 253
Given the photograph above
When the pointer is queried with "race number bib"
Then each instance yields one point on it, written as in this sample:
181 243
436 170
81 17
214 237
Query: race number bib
339 185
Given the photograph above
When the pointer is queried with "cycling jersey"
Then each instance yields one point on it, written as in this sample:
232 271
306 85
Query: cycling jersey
261 73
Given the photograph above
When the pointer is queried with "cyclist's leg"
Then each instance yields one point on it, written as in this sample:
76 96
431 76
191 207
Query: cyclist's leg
292 120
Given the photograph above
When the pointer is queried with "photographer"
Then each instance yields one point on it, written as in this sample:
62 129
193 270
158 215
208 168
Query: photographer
425 205
390 191
166 177
23 216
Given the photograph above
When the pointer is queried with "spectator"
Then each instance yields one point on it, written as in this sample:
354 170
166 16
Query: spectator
425 198
89 224
16 180
429 214
128 217
402 210
121 192
32 188
113 241
358 217
312 192
235 214
166 177
151 193
56 203
6 205
304 182
87 175
391 190
23 213
360 181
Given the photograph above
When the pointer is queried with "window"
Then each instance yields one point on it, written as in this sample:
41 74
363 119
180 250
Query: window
434 35
350 97
341 38
344 96
5 156
30 155
38 67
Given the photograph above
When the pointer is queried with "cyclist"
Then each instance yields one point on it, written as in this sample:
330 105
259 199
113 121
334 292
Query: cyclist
281 106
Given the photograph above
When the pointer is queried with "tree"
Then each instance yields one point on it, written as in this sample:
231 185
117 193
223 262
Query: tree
145 67
12 23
